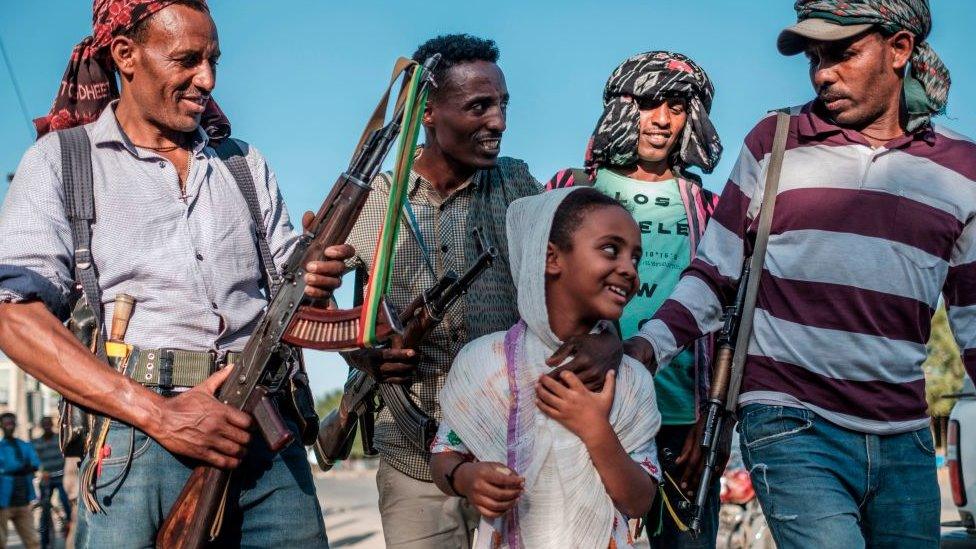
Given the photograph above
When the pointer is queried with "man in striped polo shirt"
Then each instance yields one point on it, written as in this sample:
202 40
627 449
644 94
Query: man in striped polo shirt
48 451
874 220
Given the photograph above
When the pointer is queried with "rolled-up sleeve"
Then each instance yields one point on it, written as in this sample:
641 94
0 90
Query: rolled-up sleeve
35 237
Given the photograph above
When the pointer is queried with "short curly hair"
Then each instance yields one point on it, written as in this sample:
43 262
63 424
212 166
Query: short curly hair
573 209
456 49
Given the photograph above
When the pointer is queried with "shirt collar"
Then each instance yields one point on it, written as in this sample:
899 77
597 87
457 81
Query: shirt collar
107 130
812 123
415 181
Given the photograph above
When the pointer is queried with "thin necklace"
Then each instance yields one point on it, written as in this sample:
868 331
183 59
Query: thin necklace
158 149
168 148
886 139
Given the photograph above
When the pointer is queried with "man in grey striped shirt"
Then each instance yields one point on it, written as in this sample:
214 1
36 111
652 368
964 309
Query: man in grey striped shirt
873 220
173 230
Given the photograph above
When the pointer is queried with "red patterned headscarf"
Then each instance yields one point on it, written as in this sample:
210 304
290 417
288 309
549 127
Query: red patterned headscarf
89 84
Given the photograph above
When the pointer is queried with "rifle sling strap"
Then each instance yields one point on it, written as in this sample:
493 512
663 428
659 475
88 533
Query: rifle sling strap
758 258
79 203
233 157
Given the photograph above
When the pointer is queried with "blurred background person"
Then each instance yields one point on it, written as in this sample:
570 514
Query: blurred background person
51 478
18 461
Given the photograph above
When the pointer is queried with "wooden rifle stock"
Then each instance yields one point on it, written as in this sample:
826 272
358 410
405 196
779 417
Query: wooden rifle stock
337 432
194 515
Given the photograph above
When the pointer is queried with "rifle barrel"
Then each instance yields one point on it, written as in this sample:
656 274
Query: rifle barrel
706 480
461 285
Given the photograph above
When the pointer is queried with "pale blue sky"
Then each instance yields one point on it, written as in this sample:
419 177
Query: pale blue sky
298 79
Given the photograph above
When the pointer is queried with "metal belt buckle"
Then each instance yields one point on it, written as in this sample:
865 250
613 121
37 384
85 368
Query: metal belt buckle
219 359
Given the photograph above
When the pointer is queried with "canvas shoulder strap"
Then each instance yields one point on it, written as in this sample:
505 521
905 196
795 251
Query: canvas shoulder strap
79 202
233 157
758 258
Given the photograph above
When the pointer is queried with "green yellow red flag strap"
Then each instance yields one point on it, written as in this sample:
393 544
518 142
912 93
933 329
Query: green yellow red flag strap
379 276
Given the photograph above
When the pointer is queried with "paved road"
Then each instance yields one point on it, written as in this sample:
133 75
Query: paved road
349 500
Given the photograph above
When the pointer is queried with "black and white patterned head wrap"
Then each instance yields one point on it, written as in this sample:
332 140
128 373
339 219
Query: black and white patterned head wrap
655 75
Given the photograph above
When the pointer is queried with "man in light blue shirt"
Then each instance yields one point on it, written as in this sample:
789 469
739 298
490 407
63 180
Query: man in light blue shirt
18 461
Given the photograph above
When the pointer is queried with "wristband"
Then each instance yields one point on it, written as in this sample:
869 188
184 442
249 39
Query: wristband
450 479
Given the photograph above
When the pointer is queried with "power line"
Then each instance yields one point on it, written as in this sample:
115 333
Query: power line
20 96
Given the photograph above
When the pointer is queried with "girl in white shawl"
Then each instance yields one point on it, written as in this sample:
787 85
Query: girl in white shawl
547 462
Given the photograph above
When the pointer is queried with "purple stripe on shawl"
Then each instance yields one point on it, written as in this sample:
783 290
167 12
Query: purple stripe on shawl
692 208
514 339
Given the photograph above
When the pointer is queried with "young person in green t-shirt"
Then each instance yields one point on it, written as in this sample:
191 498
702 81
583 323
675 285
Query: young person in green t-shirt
654 127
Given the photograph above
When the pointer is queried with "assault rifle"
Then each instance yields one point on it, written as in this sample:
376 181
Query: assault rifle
733 342
719 419
196 517
338 430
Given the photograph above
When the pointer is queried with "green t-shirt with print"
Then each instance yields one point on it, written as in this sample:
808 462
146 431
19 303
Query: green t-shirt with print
663 223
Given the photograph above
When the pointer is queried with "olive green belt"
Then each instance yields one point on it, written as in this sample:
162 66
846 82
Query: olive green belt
167 368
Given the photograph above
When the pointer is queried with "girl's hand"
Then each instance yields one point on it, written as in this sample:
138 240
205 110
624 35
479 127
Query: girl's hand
491 487
575 407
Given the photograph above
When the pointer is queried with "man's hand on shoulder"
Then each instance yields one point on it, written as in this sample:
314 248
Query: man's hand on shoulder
197 425
641 349
593 356
325 275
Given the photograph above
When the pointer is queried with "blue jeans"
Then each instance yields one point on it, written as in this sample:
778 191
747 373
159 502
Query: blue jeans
48 489
824 486
271 498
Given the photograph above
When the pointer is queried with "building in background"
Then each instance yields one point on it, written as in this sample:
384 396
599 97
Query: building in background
26 397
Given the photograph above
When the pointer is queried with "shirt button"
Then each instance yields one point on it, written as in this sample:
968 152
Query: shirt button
199 256
444 248
213 305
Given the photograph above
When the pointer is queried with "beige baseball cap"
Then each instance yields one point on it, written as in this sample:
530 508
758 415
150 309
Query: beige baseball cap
793 40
